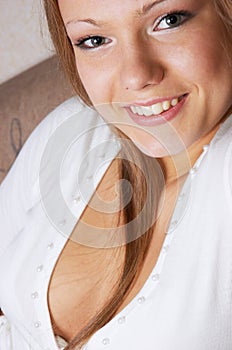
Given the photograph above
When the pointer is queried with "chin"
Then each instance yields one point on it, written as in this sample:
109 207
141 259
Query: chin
158 150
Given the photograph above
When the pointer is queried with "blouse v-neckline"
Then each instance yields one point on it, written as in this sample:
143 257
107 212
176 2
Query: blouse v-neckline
156 273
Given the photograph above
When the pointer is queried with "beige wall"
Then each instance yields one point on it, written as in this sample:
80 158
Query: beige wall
21 43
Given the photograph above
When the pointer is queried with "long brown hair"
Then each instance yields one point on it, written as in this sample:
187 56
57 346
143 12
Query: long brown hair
136 250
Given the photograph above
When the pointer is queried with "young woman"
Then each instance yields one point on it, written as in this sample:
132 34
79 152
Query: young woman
147 262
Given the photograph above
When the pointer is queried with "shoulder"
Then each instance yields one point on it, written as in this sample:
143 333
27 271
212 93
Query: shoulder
72 109
221 145
223 137
222 154
70 119
51 139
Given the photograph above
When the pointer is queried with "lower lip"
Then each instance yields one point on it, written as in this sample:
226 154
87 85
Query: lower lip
155 120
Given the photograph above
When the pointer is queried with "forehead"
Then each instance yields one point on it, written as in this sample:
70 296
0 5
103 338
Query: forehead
107 5
71 9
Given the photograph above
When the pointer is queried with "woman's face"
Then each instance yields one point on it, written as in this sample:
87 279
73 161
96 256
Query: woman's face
154 68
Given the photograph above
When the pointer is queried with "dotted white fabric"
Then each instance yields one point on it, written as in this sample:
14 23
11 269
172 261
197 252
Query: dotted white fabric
186 303
61 342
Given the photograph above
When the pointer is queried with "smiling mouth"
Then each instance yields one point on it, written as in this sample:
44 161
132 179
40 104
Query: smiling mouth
157 108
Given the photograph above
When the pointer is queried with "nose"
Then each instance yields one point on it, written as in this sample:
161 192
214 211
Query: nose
140 68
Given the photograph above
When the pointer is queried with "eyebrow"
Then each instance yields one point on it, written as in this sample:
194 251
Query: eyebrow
145 9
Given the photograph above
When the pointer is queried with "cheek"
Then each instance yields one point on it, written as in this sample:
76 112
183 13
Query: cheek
208 68
199 55
96 80
196 61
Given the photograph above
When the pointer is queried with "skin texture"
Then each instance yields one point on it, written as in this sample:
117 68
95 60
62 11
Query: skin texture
142 59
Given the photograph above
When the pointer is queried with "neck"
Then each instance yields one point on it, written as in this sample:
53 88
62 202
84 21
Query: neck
177 167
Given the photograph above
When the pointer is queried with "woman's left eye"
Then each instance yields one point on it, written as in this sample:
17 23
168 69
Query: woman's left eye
172 20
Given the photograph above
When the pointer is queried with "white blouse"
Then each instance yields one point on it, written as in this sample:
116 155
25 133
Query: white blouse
186 303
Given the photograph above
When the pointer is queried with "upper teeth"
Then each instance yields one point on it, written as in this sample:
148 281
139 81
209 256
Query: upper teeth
155 109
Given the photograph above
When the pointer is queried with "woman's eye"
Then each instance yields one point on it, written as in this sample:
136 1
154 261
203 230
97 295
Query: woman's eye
172 20
91 42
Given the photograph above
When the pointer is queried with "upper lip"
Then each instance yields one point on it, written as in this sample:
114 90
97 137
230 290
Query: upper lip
153 101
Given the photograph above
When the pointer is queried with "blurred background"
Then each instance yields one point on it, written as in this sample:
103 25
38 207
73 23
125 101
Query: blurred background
31 80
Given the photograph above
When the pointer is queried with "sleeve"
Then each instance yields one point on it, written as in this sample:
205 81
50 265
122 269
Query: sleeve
227 170
14 196
19 191
5 334
230 170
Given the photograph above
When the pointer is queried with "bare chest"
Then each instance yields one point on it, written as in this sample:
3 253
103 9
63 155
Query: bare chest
84 278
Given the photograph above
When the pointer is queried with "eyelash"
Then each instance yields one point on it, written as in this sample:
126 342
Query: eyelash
82 41
185 15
